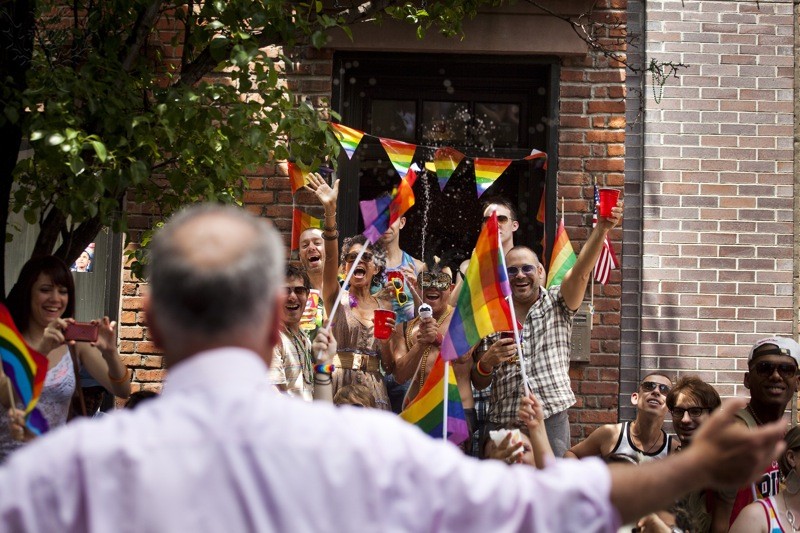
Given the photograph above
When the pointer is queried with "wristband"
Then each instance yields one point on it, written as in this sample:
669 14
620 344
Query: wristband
324 369
481 371
330 229
328 237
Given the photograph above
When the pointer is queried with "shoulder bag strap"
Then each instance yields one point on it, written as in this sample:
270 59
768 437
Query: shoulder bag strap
78 388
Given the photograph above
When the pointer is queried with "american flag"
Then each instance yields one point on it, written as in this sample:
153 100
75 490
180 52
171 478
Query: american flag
607 261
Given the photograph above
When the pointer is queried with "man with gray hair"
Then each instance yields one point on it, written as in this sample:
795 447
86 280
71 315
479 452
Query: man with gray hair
221 450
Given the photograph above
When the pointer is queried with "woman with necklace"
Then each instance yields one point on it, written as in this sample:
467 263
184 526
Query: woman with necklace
360 354
779 513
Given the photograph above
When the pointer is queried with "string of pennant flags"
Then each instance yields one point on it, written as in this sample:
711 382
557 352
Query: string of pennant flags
446 161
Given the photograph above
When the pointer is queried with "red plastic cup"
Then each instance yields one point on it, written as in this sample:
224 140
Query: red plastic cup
608 199
396 274
382 330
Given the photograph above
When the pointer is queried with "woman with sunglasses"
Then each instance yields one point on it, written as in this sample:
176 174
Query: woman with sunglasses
360 354
780 512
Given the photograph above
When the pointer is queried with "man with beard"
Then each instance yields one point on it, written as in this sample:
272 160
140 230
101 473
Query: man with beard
644 438
772 380
311 251
416 344
291 370
545 337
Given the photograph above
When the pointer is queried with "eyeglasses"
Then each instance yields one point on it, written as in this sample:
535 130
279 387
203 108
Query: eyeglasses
399 293
526 269
694 412
366 257
440 281
650 386
300 292
501 219
765 369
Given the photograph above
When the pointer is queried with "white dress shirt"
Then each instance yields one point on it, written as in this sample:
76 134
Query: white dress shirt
221 451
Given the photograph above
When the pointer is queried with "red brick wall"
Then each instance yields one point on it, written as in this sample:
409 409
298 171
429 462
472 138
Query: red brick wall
716 222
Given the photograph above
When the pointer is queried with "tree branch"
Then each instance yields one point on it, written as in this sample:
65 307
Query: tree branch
145 22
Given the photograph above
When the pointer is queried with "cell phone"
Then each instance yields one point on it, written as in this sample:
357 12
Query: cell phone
81 332
507 335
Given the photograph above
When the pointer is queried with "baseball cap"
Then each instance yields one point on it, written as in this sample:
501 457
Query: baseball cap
784 346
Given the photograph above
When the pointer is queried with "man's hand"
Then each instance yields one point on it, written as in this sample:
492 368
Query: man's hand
327 195
500 351
614 219
731 455
427 331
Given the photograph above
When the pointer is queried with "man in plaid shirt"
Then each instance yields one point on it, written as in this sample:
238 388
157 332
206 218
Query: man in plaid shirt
546 336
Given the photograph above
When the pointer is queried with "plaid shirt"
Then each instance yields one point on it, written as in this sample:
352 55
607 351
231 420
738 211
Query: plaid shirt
286 368
546 341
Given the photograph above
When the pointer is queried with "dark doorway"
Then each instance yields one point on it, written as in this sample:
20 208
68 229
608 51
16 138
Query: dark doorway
483 106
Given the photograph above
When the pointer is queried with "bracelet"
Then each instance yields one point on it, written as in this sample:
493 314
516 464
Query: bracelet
330 237
324 369
481 371
324 381
439 339
125 378
330 229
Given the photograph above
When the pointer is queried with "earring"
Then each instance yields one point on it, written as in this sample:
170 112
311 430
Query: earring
792 482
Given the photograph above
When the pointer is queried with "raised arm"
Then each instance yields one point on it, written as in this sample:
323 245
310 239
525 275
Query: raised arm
532 414
573 287
328 196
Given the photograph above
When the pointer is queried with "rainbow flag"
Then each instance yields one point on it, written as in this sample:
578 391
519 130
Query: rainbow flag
563 256
300 222
427 410
538 157
347 137
446 160
383 211
400 154
487 171
482 307
297 178
25 367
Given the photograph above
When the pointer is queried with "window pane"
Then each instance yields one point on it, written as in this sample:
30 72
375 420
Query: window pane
501 121
445 123
396 119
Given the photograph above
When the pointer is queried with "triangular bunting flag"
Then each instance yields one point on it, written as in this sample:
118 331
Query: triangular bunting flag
403 196
539 157
348 138
446 160
297 177
487 171
400 154
300 222
376 216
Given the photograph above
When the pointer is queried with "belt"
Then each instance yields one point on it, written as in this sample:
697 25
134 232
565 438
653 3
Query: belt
357 361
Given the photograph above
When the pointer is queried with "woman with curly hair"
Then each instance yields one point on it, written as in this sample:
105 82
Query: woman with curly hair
360 354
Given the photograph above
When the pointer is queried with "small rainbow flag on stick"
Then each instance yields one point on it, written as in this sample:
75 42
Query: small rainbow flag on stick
487 171
563 256
297 177
383 211
400 154
446 160
427 409
347 137
482 307
300 222
25 368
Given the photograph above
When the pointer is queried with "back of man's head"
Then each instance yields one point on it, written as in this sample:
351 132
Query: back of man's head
213 271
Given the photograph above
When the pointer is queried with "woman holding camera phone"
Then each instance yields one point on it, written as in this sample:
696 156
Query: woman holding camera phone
42 304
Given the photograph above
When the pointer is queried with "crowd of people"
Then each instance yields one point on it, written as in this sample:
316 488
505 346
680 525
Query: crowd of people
249 429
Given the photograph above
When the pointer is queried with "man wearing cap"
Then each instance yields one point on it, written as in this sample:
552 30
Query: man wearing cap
772 380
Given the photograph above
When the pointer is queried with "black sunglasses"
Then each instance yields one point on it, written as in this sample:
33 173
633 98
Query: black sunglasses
300 292
694 412
366 257
501 219
440 281
650 386
765 369
526 269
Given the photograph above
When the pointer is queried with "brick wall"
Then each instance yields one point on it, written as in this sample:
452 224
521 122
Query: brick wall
714 222
591 144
